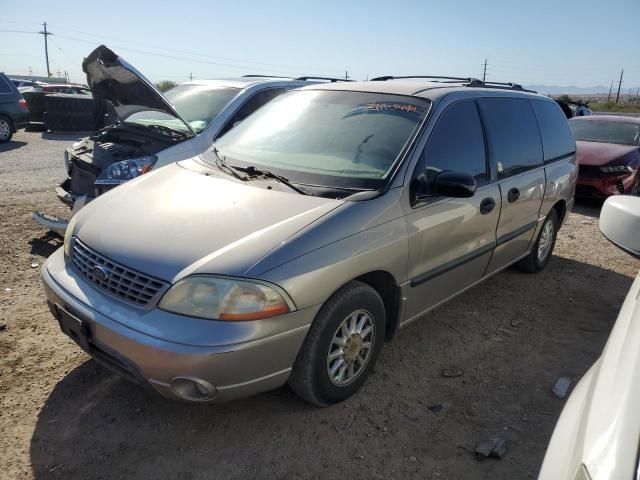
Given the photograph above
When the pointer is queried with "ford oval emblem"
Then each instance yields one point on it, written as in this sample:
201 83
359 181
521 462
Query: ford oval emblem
100 273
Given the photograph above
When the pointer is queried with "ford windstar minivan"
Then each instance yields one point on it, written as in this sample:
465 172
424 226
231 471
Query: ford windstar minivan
296 246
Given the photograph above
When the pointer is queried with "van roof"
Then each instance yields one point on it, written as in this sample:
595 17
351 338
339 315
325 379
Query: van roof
431 88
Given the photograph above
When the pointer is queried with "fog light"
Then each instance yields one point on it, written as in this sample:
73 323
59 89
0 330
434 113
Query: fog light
193 389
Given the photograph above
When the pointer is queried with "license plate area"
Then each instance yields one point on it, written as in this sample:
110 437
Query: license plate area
73 327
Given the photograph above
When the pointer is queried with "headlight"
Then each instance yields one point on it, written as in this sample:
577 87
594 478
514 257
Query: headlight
616 169
126 170
219 298
68 234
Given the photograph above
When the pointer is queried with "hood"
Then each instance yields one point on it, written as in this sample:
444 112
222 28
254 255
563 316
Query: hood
595 153
173 222
112 78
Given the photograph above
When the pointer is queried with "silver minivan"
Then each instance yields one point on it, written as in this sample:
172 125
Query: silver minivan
296 246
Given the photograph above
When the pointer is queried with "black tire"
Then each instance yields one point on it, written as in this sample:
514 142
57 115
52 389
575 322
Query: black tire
6 129
534 262
310 376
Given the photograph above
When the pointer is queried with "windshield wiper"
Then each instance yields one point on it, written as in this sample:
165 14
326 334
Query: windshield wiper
222 164
253 172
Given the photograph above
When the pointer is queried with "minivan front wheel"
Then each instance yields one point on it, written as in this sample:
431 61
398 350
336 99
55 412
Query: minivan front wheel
543 246
341 347
6 130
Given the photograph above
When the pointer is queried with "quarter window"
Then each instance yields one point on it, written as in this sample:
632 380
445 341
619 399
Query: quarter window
557 139
512 134
4 86
457 143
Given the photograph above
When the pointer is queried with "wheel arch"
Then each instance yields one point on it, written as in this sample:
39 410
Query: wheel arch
386 286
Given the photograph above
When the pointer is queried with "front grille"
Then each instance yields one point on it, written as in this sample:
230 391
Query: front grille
114 278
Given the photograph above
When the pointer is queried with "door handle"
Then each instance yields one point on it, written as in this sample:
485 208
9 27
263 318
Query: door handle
487 205
513 195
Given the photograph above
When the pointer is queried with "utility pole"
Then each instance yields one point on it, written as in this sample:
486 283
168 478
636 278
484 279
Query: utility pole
46 46
346 74
610 88
484 71
619 85
191 76
58 72
30 70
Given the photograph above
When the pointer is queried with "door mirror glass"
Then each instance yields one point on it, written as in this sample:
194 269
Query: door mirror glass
454 184
620 222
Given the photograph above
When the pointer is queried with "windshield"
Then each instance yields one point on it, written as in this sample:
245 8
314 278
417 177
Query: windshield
197 104
606 132
335 139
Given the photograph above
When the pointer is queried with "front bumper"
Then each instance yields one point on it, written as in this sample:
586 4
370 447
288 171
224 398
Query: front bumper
604 186
157 348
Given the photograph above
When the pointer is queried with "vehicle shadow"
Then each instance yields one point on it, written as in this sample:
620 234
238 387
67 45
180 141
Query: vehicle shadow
589 207
46 244
511 336
12 145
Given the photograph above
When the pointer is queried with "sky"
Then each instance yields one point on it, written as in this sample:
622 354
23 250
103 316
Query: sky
543 42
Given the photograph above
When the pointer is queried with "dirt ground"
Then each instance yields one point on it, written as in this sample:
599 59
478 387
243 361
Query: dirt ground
62 416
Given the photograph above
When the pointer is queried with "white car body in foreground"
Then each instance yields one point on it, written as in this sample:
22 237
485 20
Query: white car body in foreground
598 433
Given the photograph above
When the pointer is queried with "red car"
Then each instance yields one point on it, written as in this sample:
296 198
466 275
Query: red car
608 153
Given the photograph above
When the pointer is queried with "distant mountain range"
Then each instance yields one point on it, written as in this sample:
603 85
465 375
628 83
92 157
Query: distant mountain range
572 89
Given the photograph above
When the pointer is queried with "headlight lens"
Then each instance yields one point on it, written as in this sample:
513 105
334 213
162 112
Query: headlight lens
616 169
126 170
68 234
218 298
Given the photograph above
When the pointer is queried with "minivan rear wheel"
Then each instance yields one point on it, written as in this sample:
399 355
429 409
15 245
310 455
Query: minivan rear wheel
543 247
6 129
341 347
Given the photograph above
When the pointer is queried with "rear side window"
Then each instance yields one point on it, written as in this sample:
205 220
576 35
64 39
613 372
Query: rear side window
512 134
557 139
4 86
457 143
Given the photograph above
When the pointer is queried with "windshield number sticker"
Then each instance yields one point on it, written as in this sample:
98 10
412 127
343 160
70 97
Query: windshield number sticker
379 107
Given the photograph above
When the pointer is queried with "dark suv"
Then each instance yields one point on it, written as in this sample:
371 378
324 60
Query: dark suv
13 109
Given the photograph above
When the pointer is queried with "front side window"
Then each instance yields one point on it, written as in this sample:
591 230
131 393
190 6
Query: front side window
606 131
457 143
512 134
338 139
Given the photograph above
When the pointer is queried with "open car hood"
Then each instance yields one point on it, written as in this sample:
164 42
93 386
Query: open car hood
112 78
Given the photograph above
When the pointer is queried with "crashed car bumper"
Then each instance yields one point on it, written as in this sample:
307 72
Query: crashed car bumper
221 362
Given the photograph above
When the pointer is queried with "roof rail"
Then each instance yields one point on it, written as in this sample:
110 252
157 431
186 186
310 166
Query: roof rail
331 79
433 77
262 76
466 81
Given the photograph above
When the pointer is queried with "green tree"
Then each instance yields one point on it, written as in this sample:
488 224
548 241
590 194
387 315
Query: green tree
164 85
565 98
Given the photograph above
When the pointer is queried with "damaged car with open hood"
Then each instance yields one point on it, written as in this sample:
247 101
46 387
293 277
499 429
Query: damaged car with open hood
145 129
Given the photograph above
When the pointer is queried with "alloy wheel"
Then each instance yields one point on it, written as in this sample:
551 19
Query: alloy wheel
546 240
351 348
5 130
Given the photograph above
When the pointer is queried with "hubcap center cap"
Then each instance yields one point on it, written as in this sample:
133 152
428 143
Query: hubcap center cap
353 348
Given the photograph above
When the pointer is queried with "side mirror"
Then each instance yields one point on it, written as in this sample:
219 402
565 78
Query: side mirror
620 222
454 184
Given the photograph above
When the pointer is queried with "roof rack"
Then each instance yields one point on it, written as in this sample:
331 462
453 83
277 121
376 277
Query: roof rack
331 79
434 77
466 81
262 76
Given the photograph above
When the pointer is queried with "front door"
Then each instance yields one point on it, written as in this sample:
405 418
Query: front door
451 239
